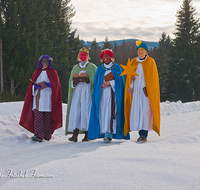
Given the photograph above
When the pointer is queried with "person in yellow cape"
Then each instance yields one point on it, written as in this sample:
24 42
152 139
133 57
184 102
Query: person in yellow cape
142 95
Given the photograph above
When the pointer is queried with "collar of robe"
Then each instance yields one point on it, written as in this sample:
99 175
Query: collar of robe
143 58
112 65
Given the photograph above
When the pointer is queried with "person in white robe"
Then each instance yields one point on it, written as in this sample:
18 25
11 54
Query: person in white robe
107 110
105 104
81 96
141 116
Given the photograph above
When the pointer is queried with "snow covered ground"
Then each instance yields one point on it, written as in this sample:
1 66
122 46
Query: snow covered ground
167 162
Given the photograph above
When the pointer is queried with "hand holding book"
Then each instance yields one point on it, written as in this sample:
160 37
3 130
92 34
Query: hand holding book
42 84
109 77
80 77
84 77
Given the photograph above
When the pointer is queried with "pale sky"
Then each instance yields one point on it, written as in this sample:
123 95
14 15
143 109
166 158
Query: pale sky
126 19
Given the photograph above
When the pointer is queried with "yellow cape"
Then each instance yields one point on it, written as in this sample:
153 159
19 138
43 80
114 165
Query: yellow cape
153 91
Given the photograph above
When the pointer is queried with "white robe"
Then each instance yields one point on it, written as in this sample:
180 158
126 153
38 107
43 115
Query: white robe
141 117
45 94
105 105
80 108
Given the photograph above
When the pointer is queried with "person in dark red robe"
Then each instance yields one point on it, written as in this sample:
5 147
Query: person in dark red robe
42 110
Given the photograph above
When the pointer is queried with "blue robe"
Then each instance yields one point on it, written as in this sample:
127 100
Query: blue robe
94 126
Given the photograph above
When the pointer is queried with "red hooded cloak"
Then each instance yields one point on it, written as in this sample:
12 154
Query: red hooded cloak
27 116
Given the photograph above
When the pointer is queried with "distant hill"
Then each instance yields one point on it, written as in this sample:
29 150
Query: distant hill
119 42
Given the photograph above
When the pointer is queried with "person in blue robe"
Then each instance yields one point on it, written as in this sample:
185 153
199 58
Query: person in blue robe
107 111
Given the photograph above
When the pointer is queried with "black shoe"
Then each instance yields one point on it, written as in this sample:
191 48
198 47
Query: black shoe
141 140
85 138
46 139
71 139
36 139
74 136
107 139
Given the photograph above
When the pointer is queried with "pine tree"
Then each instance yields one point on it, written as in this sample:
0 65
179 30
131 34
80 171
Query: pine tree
125 50
115 49
106 44
197 69
1 51
74 44
11 41
95 52
162 59
20 43
182 84
31 29
58 22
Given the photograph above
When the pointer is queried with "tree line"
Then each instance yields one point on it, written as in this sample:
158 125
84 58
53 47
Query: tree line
30 28
177 60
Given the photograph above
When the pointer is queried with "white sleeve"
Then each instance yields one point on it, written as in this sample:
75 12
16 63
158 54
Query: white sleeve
72 85
34 91
132 83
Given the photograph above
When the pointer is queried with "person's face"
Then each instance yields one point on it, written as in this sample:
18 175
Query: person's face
83 56
106 58
141 53
45 63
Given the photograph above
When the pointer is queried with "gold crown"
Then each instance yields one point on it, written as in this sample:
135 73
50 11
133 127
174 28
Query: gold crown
138 43
84 50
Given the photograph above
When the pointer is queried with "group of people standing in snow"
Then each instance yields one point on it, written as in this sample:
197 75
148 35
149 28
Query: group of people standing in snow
100 105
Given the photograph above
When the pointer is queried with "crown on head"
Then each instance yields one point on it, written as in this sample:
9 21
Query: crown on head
84 50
